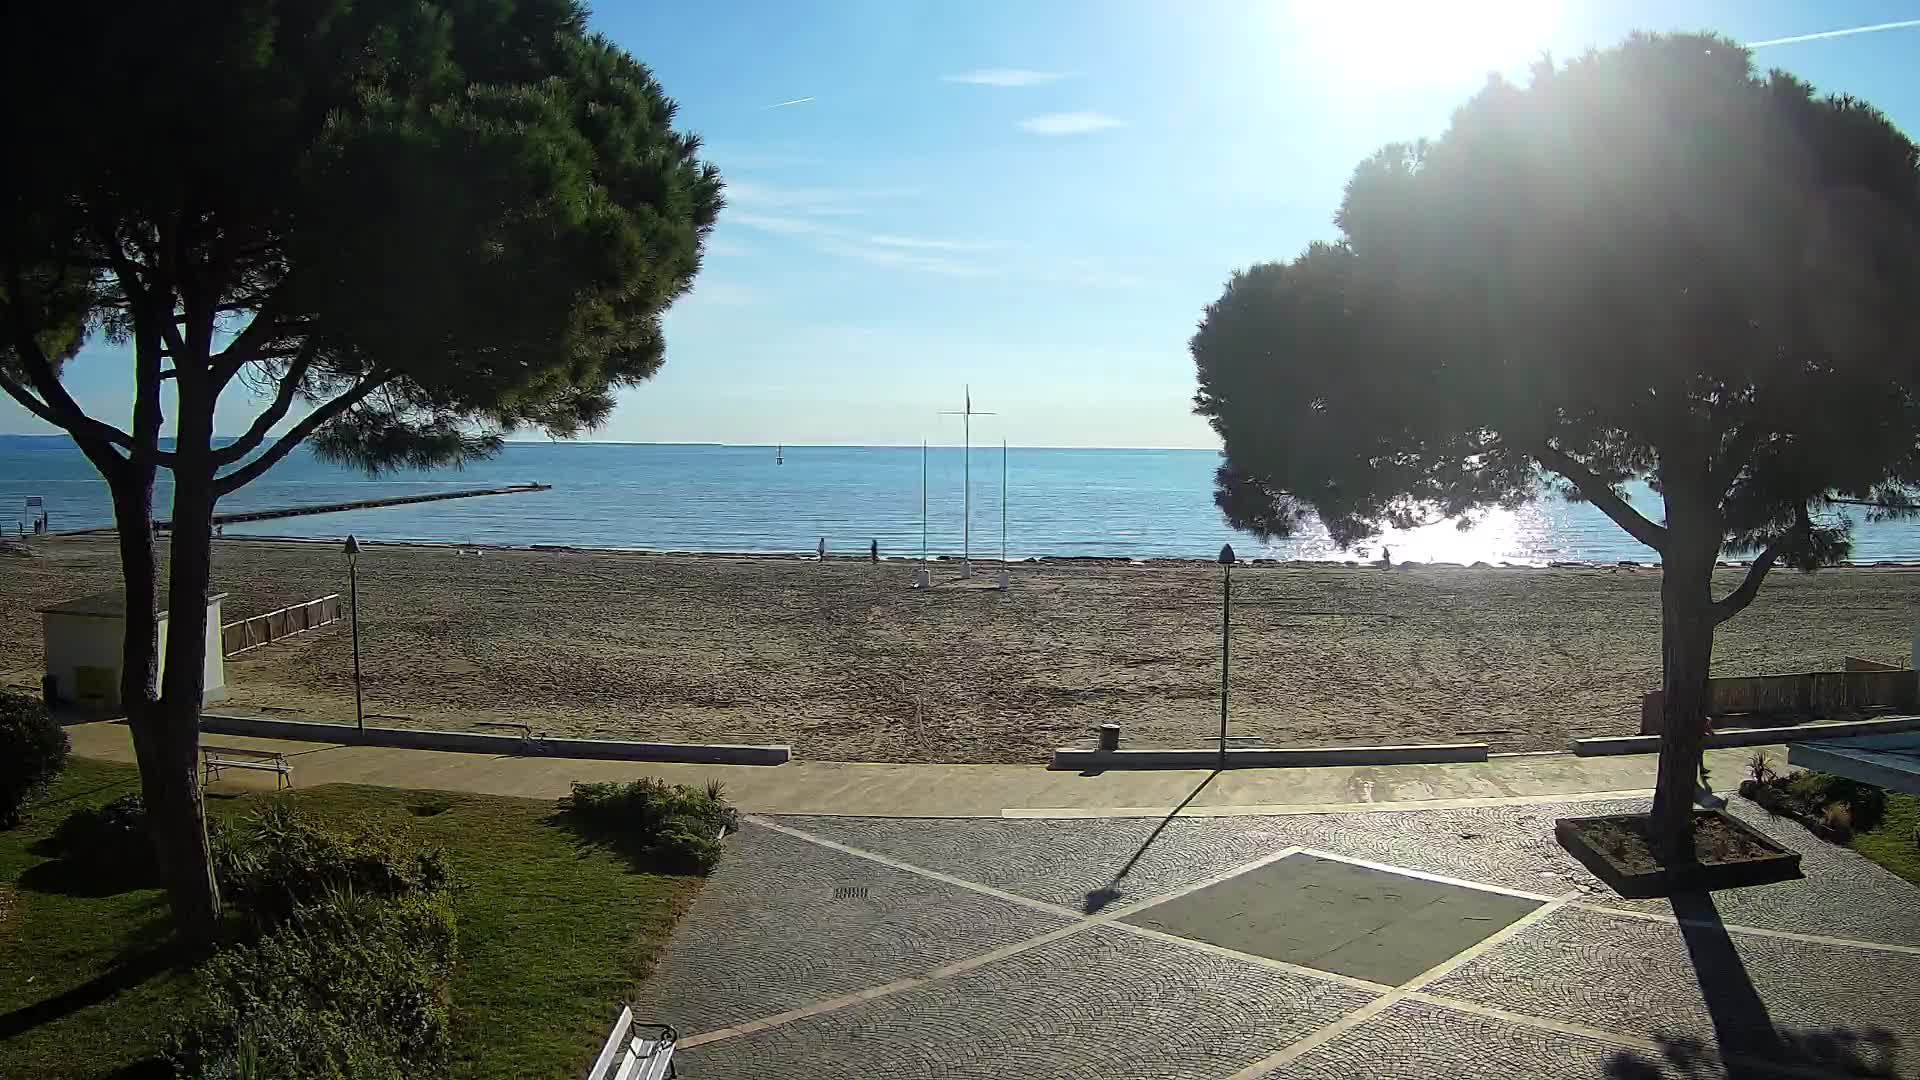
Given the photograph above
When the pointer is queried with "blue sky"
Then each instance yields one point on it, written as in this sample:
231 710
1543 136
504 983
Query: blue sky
1039 198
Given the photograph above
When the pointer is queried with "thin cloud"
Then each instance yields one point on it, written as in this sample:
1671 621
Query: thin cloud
1004 77
917 243
1069 123
795 101
782 224
1823 35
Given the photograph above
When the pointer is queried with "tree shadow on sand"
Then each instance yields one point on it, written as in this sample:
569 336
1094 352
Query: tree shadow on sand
1749 1045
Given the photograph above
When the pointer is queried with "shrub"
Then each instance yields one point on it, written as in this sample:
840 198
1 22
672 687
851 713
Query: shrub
1814 792
110 843
1838 817
1761 768
33 750
276 861
669 827
352 987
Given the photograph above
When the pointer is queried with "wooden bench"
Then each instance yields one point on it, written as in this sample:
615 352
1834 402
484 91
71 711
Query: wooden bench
635 1051
215 758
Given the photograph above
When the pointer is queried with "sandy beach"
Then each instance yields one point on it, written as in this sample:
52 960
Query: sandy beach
845 662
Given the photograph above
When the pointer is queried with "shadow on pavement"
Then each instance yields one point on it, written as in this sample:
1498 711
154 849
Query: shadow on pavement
1106 895
1749 1045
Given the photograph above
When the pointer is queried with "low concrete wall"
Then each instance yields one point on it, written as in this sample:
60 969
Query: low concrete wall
1650 744
1810 693
1861 663
513 745
1254 757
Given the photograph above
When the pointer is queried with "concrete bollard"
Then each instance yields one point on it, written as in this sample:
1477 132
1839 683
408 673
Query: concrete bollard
1005 580
966 569
923 579
1109 738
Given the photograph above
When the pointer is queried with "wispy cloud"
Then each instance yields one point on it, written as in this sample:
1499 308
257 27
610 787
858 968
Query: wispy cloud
818 201
1876 28
918 243
721 249
782 224
794 101
880 255
1004 77
1069 123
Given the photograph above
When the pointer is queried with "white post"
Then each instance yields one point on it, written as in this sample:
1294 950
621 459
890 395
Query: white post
966 483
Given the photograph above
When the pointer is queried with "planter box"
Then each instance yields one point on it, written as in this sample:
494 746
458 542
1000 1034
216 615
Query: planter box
1778 864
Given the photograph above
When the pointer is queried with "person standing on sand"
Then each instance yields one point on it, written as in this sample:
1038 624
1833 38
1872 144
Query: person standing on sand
873 552
1385 562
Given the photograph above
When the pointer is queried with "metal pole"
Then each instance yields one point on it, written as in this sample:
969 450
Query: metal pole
1226 624
966 524
923 500
353 587
1003 502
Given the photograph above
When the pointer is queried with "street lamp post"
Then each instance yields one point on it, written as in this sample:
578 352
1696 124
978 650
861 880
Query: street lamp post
353 590
1226 623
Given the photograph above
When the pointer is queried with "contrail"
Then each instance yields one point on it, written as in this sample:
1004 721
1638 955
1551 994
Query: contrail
1824 34
795 101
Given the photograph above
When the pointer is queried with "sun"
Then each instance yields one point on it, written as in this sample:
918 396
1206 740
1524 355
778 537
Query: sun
1399 44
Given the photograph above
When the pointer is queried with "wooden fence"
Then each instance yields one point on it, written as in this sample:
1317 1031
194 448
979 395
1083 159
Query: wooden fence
1812 693
238 637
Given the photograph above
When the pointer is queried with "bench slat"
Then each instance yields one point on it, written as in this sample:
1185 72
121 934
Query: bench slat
604 1063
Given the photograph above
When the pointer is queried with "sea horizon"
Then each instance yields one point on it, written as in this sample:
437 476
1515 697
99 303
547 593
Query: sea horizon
720 498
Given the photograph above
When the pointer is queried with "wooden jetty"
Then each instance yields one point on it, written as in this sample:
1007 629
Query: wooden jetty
362 504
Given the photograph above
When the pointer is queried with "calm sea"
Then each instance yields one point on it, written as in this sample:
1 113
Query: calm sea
1118 503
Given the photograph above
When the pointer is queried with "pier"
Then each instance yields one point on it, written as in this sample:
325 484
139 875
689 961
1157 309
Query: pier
361 504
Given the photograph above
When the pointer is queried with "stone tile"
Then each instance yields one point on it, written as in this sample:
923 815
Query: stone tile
1098 1005
1067 862
1841 895
1336 916
1742 993
1418 1041
767 934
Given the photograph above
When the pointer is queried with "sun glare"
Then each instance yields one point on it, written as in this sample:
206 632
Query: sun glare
1394 44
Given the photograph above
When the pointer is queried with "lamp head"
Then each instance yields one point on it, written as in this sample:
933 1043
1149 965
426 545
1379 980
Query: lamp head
353 547
1226 555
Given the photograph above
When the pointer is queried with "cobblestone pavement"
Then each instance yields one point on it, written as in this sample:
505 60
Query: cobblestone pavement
950 948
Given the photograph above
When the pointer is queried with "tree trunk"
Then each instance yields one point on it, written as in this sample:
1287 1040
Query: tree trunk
179 821
1686 653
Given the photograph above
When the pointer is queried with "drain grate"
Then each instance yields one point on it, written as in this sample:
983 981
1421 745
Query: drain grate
850 892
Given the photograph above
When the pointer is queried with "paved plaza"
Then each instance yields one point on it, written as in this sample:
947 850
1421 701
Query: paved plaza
1458 942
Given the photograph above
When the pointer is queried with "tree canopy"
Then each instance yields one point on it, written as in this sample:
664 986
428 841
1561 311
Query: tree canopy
406 226
1648 263
429 223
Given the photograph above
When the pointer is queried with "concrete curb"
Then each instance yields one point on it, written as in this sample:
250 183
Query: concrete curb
1650 744
1254 757
510 745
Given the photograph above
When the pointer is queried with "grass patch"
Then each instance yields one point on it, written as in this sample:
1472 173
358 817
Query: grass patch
552 934
1891 842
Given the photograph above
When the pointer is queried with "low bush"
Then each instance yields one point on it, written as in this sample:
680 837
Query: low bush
349 988
109 844
33 750
275 861
670 827
1814 792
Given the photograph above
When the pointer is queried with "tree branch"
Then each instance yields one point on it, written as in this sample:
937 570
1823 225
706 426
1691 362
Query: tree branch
1737 600
54 404
246 348
275 412
1601 494
248 473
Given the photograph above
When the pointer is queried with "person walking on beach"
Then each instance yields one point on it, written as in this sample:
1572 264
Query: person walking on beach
873 552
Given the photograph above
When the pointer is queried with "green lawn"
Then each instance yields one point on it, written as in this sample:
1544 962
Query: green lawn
1891 843
552 935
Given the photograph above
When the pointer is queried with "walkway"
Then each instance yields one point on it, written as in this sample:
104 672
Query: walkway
925 921
893 790
1416 945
